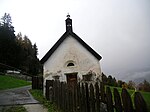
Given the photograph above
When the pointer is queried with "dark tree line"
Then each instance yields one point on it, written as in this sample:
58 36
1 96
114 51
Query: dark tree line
111 81
17 51
144 86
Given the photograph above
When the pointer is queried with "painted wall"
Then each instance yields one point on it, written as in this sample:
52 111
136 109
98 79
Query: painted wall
70 51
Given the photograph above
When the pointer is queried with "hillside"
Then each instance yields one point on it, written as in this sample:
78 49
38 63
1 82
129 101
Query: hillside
7 82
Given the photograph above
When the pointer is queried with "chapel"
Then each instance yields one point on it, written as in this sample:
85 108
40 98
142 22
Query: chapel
71 60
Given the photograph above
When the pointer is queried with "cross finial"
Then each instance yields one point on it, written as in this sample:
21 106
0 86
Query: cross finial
68 16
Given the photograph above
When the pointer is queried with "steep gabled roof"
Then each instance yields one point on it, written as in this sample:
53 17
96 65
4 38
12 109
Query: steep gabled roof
63 37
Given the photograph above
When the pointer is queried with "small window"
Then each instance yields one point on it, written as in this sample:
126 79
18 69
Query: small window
70 64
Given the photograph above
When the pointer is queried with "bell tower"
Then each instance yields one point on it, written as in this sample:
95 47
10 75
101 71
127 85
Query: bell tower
68 24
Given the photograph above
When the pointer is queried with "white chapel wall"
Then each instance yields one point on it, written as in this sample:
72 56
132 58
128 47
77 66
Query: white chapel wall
70 50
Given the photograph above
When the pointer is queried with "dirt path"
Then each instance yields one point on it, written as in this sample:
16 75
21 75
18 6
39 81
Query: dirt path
35 108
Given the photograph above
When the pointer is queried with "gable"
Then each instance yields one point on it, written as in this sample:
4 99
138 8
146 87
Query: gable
64 36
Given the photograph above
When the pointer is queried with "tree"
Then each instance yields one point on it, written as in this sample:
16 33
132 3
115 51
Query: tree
145 86
35 50
124 85
28 56
6 20
131 85
8 46
17 51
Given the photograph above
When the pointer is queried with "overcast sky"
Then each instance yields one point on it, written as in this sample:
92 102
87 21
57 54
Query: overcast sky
119 30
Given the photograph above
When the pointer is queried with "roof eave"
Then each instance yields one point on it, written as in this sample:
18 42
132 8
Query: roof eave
62 38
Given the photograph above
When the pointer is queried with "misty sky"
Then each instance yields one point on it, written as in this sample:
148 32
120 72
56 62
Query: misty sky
119 30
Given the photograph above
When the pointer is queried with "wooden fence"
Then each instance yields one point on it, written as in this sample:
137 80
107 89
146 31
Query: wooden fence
85 97
37 82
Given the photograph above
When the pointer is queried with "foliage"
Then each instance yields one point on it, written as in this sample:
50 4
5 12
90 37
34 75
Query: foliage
111 81
28 55
6 20
17 51
124 85
120 83
8 46
131 85
38 95
145 86
17 108
7 82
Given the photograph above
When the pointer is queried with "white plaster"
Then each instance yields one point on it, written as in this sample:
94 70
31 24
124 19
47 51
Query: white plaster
70 50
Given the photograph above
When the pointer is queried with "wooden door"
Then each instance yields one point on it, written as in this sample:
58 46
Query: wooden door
71 79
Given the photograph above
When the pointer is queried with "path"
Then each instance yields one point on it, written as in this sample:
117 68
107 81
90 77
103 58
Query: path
16 96
20 96
35 108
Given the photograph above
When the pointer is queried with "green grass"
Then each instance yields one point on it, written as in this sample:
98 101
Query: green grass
146 96
38 95
17 108
7 82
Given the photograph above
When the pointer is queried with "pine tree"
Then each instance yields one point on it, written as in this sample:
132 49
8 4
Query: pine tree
8 46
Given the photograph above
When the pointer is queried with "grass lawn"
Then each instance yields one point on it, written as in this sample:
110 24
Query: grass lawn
146 96
38 95
7 82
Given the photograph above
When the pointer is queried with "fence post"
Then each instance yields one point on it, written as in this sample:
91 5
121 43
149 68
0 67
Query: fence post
126 100
92 99
70 100
33 82
75 102
59 94
37 82
83 97
87 97
63 96
97 97
40 82
66 98
117 100
54 91
109 100
49 91
102 92
139 102
79 98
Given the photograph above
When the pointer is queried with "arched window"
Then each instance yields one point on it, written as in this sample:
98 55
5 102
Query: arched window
70 64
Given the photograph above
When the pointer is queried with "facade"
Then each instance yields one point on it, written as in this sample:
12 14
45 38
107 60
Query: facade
71 59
